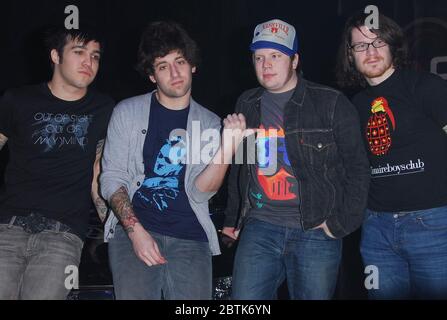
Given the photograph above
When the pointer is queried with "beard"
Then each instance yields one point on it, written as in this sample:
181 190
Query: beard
378 70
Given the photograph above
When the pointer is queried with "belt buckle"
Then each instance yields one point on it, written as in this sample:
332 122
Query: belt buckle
34 223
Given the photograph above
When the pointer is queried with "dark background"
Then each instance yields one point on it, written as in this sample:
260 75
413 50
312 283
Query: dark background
223 30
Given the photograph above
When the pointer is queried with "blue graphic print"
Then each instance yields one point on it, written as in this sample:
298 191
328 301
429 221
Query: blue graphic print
164 186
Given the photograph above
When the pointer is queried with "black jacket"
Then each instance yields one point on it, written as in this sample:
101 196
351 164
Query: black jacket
327 155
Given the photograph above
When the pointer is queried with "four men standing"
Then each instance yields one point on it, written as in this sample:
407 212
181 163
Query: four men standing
306 188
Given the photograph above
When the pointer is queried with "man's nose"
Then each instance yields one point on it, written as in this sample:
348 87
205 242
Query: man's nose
371 50
174 71
267 63
88 60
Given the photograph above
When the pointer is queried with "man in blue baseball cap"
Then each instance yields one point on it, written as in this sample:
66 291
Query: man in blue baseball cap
308 186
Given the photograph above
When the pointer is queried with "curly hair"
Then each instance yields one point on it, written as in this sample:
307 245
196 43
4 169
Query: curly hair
346 72
159 39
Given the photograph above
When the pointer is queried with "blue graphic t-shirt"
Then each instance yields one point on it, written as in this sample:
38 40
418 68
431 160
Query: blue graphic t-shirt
161 203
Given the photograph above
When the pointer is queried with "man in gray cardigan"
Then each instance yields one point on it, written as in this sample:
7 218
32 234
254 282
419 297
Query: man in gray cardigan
159 173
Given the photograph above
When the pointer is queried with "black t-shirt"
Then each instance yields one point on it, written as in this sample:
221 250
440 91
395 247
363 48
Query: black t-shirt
52 144
402 120
161 203
273 193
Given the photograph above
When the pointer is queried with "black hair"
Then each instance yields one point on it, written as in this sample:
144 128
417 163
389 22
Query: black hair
57 38
159 39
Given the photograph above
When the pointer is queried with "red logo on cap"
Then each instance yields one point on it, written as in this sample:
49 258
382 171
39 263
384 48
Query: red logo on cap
275 30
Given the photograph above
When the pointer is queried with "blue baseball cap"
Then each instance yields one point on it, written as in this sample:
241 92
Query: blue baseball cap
275 34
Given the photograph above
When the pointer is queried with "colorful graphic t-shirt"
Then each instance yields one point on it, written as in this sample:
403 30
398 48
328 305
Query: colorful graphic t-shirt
161 203
273 190
402 120
52 145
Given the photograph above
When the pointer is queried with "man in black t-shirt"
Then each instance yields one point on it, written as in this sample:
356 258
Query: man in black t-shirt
403 114
55 133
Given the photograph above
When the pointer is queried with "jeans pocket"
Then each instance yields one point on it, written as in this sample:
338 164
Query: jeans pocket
73 238
433 220
320 234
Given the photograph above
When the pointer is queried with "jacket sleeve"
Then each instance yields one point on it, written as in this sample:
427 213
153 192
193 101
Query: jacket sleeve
233 206
115 157
233 201
349 216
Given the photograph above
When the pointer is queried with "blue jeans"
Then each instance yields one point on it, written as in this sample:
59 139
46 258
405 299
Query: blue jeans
409 250
32 266
186 276
267 254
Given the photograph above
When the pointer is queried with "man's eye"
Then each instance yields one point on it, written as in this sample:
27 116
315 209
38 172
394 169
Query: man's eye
181 61
96 57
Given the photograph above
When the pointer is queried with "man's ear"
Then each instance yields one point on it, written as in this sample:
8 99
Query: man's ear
350 58
194 69
295 61
152 78
55 56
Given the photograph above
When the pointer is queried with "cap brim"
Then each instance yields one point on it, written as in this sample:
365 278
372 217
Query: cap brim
271 45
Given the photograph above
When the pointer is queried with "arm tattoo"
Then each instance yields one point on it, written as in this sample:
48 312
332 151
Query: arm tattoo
122 207
100 204
101 208
99 147
3 141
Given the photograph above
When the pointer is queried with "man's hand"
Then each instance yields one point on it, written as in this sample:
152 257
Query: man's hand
325 229
3 140
210 179
235 130
231 232
145 246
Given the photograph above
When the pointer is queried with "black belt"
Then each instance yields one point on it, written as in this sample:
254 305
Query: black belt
36 223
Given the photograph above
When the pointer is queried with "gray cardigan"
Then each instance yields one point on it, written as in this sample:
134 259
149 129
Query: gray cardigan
122 161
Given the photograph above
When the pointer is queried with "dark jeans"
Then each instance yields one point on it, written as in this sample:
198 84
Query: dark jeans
410 252
267 254
186 276
33 266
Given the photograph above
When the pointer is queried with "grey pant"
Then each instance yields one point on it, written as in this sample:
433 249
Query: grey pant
186 276
32 266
